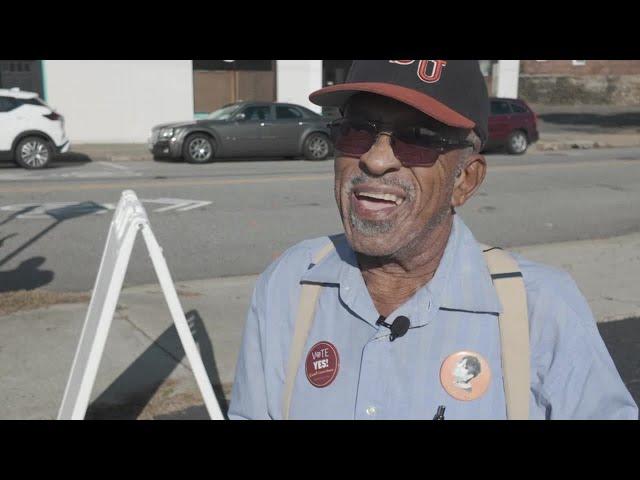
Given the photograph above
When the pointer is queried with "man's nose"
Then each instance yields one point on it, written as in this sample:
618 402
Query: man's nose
380 158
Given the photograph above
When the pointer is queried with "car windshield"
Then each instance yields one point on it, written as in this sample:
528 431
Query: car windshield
224 113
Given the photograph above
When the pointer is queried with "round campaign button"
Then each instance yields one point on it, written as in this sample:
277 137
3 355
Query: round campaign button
322 364
465 375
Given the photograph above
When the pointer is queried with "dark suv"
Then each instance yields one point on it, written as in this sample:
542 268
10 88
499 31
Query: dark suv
512 125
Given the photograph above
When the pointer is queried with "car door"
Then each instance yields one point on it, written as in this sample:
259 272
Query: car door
247 133
522 118
499 121
287 129
10 125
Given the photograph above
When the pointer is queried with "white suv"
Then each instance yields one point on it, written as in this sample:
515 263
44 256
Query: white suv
31 132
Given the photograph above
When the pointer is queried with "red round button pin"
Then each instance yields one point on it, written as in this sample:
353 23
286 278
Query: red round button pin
322 364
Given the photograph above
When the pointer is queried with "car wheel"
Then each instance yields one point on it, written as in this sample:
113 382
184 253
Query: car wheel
198 148
33 153
317 147
517 143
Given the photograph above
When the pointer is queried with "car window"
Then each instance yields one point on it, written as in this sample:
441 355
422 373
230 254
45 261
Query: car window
309 114
7 104
224 113
283 113
500 108
31 101
258 113
517 108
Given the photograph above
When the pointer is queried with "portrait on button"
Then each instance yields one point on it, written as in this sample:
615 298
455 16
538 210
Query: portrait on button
465 375
466 370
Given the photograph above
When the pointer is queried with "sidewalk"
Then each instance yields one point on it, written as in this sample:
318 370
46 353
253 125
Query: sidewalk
144 373
568 141
565 127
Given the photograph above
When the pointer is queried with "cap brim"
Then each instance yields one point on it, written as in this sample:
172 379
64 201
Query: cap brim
337 95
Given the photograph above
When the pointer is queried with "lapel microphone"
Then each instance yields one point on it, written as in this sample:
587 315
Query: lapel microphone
398 328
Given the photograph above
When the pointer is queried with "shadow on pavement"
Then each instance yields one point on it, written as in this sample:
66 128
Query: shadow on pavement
28 276
70 158
59 160
622 339
242 159
595 120
141 381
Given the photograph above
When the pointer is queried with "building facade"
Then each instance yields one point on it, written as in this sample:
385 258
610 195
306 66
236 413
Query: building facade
571 82
119 101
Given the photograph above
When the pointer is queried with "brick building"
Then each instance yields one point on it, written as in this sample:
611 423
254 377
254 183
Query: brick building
564 82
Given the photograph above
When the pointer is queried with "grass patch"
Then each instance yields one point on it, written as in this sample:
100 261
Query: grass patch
22 300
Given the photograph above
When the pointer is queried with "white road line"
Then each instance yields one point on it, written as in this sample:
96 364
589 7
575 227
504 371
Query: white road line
113 165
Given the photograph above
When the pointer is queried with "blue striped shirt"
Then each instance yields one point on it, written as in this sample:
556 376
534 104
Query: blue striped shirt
572 373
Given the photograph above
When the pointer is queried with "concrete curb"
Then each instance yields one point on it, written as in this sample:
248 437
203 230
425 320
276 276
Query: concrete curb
581 145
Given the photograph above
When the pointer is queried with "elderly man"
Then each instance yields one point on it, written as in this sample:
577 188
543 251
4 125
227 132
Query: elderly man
403 316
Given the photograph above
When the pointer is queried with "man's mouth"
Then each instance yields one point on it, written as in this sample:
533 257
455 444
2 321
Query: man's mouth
376 203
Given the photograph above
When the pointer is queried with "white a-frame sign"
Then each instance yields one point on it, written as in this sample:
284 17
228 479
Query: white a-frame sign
129 218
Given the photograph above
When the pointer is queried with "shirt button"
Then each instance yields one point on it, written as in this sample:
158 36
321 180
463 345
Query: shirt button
346 289
371 411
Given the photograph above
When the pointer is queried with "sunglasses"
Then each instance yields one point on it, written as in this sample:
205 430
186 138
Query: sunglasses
412 145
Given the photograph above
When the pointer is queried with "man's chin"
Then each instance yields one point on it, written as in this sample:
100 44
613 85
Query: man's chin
371 244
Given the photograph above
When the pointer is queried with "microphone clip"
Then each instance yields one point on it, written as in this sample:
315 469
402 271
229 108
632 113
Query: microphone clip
398 327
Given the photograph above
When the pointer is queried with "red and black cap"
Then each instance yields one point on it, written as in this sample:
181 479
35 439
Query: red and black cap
451 91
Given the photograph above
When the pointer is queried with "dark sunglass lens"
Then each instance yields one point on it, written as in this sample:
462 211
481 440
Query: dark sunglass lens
415 155
353 138
418 136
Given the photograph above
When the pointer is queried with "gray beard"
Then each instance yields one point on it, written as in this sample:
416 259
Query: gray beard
369 227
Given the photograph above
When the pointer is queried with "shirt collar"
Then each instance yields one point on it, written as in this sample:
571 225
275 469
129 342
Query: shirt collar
461 282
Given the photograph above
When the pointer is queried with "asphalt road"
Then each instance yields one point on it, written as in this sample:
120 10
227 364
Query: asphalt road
233 217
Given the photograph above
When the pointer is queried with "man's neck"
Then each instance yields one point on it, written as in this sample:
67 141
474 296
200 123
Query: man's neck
391 281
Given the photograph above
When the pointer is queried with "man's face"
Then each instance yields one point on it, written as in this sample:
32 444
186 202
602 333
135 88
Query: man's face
460 372
386 208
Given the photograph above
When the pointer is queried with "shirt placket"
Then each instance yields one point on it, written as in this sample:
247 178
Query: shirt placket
377 354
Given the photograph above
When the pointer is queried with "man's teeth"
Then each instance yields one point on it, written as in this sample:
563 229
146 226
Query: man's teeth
389 197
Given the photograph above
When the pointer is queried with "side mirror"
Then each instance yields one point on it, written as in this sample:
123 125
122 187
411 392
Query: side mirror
240 117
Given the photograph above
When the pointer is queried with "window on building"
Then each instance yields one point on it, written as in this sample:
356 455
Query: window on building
500 108
284 113
257 113
579 63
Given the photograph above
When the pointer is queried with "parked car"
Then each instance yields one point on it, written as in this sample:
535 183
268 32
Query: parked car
512 125
31 132
245 129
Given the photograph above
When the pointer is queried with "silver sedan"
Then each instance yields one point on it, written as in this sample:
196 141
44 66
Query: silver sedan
245 129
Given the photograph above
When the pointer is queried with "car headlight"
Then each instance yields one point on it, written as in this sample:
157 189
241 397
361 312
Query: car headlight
166 133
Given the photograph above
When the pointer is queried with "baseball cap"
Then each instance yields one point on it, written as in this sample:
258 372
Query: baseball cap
451 91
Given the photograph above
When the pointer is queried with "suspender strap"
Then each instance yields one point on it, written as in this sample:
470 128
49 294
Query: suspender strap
514 331
306 310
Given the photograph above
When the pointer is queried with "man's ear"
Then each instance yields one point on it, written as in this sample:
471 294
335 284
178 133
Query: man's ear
469 179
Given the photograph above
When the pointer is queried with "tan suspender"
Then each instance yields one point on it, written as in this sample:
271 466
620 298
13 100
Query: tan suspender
514 331
306 310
